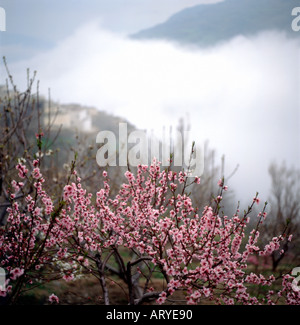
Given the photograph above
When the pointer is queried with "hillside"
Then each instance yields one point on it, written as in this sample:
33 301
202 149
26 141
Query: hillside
208 24
75 117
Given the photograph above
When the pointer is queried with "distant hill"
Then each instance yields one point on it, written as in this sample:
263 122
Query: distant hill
74 117
83 119
208 24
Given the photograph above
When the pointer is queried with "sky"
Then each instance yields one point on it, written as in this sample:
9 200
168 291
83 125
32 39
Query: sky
34 25
56 16
242 96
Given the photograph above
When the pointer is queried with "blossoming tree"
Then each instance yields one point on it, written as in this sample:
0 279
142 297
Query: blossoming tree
152 218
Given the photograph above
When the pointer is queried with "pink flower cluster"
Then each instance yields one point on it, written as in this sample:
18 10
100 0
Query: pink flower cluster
21 238
202 252
53 299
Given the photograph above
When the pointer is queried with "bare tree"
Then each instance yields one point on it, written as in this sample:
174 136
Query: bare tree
285 210
214 170
21 127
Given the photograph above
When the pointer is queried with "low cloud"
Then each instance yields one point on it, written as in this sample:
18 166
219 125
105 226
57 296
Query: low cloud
241 95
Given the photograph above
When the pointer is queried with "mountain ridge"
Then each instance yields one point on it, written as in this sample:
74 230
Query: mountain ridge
208 24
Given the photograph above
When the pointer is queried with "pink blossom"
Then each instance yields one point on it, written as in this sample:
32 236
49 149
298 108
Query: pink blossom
256 200
200 252
16 273
53 299
220 182
36 173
